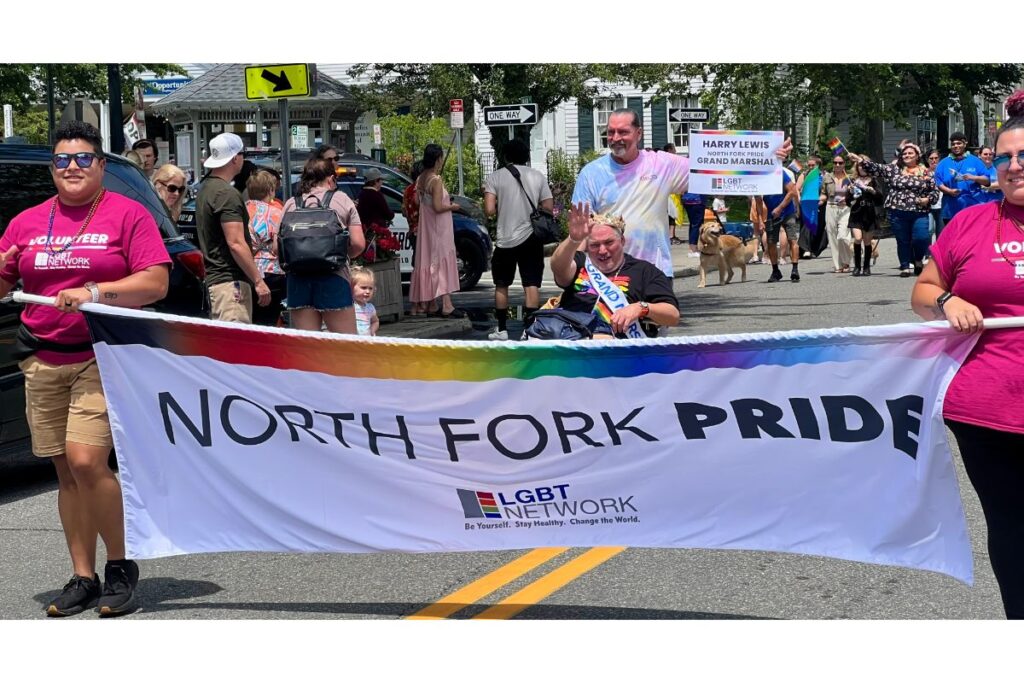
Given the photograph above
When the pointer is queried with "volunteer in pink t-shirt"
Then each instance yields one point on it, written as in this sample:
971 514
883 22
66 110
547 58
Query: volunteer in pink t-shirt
84 245
976 272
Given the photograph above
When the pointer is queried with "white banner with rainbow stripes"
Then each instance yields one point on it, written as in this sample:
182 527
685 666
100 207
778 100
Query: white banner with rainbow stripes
826 442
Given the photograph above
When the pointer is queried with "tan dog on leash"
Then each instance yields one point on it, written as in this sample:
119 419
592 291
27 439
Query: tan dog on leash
725 252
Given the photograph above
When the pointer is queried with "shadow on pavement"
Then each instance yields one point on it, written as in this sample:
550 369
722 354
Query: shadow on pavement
153 592
404 609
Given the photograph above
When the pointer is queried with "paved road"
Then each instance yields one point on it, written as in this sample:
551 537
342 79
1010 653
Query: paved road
633 584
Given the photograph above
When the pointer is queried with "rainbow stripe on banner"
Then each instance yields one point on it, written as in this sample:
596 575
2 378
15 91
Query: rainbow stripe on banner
708 171
432 361
837 147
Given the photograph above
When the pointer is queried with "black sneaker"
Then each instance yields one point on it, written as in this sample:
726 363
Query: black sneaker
119 581
794 276
79 594
775 276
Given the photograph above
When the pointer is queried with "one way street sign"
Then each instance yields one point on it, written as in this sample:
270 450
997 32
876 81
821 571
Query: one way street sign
273 81
680 115
510 115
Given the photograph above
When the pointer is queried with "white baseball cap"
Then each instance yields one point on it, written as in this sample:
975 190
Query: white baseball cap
223 149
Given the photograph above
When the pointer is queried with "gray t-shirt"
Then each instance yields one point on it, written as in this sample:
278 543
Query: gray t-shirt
513 208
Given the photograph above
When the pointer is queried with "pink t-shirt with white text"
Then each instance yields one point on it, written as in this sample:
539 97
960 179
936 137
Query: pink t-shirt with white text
988 391
121 239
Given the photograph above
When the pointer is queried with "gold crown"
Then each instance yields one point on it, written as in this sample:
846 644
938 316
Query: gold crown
611 221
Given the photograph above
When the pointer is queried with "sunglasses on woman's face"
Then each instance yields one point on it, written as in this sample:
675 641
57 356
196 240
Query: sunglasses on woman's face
83 159
173 189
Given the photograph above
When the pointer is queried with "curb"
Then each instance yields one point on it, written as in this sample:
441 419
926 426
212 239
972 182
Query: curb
424 328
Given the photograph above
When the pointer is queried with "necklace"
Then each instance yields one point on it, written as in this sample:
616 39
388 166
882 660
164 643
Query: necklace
49 228
999 235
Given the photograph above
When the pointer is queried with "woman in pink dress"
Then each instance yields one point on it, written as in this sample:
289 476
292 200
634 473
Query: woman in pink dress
435 273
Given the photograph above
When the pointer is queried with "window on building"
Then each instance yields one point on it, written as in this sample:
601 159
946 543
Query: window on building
602 110
925 131
679 131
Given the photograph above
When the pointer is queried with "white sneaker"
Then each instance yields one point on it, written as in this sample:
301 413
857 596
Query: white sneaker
693 254
498 335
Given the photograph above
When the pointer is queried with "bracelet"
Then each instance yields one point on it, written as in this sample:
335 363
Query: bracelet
94 290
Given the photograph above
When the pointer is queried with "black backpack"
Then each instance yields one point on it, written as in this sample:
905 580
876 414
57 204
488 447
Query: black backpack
312 241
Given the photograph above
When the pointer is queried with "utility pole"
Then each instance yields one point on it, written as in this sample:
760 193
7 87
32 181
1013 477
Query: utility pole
116 116
50 113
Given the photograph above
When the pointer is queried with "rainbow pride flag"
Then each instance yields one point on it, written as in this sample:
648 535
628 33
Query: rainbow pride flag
837 147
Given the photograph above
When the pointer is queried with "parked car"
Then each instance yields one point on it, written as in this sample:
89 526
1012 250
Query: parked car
25 181
472 243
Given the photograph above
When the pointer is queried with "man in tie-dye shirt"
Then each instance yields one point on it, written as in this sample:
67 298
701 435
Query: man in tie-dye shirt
636 184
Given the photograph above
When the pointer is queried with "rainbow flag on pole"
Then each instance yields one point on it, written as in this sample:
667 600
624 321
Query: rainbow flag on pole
836 145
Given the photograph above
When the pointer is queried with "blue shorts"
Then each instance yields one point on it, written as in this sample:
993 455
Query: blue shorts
322 292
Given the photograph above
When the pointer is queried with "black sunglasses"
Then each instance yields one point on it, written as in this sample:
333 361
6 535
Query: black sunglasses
83 159
173 188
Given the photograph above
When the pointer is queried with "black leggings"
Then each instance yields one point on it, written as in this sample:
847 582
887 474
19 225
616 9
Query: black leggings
995 464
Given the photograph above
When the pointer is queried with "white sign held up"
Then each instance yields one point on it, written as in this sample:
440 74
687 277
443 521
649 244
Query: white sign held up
735 162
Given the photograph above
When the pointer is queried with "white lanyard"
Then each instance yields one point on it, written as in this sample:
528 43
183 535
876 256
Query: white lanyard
612 296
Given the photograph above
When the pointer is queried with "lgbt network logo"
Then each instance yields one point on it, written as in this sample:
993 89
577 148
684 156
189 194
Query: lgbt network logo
478 504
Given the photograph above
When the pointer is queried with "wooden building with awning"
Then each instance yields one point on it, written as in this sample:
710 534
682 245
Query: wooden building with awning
216 102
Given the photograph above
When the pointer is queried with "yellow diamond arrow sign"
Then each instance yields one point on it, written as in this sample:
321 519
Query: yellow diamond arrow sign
274 81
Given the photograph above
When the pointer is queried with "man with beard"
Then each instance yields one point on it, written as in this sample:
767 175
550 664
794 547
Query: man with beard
636 185
961 177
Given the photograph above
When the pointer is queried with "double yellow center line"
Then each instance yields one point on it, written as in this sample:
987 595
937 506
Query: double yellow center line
530 595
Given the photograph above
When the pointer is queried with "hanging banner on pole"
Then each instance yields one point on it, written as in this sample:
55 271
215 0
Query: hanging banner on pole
826 442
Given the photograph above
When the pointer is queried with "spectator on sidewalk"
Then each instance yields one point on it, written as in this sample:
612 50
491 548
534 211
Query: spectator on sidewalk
169 182
316 301
264 224
222 226
148 152
516 246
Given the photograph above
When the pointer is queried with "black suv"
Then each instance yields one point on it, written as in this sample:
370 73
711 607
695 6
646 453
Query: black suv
25 181
472 243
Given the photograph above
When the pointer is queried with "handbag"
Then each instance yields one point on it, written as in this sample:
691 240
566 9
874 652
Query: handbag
558 323
545 226
311 240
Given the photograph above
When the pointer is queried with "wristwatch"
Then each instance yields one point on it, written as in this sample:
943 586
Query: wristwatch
645 309
94 289
941 300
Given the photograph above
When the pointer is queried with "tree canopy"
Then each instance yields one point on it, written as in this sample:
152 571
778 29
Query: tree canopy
24 85
742 95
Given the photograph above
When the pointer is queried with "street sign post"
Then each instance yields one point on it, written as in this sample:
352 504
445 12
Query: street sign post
300 136
510 115
457 122
689 115
8 120
456 112
275 81
279 82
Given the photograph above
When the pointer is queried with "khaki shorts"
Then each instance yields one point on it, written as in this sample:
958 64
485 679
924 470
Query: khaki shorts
231 302
64 403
